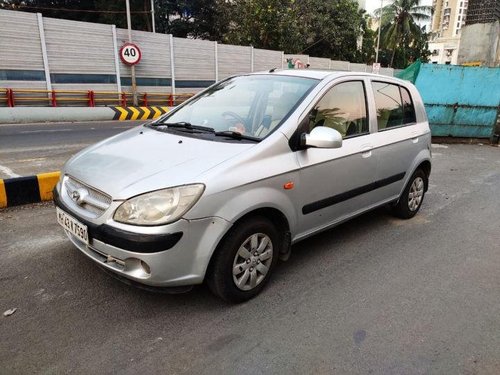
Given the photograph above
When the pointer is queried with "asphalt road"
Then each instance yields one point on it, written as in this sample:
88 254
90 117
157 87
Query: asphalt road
376 295
27 149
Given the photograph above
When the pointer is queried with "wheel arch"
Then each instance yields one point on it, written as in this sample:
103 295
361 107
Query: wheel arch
423 162
276 217
426 167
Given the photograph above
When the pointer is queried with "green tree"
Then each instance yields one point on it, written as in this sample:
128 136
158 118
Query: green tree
273 24
101 11
399 28
315 27
207 19
204 19
366 54
333 27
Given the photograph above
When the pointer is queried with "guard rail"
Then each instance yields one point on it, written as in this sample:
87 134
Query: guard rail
84 98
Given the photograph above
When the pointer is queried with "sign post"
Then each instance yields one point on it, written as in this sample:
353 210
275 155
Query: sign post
132 67
379 28
153 15
130 54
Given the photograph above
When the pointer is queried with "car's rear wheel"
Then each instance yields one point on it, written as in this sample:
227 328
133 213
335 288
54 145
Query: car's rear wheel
244 260
412 197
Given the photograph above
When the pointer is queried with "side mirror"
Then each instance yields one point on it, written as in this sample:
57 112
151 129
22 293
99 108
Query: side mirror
322 137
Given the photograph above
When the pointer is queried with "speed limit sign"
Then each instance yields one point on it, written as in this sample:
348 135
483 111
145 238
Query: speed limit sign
130 54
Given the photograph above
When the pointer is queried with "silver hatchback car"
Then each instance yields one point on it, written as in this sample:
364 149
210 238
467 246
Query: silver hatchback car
220 188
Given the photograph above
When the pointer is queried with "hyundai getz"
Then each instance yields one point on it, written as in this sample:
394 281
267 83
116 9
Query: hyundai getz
221 187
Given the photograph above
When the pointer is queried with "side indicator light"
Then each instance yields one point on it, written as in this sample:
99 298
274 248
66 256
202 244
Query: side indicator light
289 185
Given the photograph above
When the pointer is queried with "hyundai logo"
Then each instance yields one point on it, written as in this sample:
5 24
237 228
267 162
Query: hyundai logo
79 196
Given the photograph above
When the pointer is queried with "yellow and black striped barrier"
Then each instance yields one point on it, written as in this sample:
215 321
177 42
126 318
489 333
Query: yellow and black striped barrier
30 189
138 113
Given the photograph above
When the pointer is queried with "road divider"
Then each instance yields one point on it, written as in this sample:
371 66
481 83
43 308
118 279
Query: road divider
29 189
18 115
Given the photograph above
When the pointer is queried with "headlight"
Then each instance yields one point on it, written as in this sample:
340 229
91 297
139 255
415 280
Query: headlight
159 207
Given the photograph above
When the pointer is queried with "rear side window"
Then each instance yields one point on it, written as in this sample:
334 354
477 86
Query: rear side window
389 105
408 108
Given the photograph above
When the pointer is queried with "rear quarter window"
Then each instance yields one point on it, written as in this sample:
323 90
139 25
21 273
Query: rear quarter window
389 105
408 107
394 105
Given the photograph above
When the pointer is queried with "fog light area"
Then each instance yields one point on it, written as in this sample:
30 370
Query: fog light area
137 268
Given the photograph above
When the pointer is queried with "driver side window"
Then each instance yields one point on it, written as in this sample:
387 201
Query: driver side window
342 108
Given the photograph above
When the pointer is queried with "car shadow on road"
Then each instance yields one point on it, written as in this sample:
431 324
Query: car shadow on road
347 232
310 251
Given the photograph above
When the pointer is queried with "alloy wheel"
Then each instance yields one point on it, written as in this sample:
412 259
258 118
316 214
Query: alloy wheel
416 194
252 261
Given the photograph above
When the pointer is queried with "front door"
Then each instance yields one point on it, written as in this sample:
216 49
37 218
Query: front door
336 183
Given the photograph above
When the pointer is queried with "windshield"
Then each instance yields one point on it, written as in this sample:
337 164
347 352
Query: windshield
253 105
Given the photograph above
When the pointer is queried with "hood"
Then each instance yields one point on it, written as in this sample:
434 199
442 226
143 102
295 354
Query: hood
142 160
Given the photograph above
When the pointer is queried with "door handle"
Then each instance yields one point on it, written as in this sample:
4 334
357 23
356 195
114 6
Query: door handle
366 151
414 137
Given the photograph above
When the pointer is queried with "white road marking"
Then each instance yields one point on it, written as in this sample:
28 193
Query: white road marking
45 148
46 131
28 160
435 145
63 123
9 172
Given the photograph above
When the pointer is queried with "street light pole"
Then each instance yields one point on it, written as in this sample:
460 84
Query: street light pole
153 15
132 68
379 28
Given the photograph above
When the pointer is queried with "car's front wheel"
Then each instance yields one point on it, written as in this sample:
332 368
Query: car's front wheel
244 260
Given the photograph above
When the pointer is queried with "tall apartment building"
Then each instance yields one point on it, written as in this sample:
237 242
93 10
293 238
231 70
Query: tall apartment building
447 21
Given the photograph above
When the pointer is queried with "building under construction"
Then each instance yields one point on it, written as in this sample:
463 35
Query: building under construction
480 37
483 11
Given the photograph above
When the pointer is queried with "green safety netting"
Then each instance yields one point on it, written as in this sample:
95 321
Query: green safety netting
411 72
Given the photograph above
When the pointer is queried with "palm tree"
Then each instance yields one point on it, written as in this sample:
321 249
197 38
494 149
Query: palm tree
399 23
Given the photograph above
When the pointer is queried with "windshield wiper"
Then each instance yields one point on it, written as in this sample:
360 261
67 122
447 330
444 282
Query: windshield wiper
190 128
236 135
186 125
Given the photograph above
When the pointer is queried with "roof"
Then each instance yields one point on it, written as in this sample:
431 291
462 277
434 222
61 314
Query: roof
321 74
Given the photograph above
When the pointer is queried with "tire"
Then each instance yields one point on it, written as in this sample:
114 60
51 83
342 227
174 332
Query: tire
412 197
253 246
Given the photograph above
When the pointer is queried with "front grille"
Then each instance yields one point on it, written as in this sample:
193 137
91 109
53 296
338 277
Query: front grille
92 202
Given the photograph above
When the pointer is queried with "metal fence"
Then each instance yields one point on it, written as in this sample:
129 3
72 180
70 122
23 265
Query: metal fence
81 98
40 53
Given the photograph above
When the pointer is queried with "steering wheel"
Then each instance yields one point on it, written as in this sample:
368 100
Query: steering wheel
236 118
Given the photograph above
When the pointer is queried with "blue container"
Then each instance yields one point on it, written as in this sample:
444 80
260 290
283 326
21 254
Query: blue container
460 101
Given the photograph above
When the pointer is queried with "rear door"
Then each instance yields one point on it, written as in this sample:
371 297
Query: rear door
397 140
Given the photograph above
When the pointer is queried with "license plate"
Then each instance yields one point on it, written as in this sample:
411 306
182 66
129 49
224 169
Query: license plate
72 225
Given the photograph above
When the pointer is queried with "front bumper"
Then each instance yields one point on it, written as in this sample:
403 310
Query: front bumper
172 255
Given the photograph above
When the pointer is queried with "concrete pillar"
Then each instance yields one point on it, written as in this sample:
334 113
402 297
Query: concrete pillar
44 51
117 60
172 62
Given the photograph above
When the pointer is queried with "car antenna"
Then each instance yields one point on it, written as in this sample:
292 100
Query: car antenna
272 70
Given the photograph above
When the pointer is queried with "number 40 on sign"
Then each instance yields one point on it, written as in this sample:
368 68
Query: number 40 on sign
130 54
